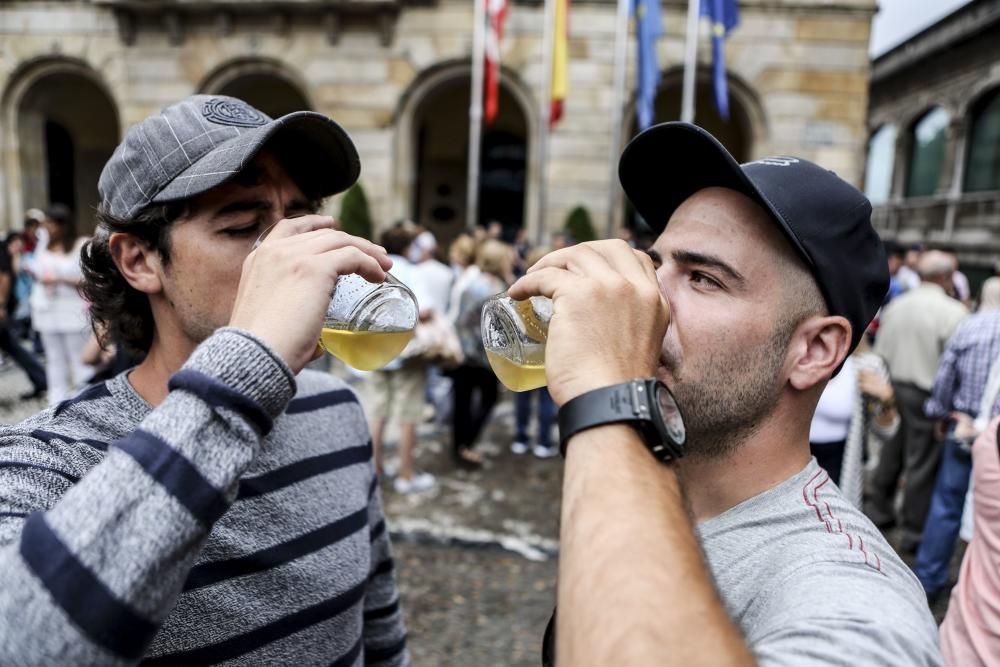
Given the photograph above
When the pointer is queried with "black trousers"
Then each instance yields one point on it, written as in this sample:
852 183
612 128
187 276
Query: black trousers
21 357
913 455
830 457
470 416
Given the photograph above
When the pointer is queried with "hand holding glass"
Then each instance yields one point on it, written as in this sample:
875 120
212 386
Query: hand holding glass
514 335
367 324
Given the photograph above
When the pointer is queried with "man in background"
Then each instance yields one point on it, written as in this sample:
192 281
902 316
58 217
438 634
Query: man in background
913 331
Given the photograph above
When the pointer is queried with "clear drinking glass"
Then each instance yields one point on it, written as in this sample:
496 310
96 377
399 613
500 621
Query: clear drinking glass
367 324
514 335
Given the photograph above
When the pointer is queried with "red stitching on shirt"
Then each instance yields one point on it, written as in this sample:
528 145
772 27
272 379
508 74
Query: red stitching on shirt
805 497
861 547
840 526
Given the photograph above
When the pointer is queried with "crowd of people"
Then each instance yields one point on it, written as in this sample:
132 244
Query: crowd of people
45 326
444 374
171 512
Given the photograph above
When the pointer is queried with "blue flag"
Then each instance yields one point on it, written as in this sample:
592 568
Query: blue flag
649 27
724 15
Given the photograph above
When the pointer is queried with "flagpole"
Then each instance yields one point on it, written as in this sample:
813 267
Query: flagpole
548 41
690 61
475 113
617 112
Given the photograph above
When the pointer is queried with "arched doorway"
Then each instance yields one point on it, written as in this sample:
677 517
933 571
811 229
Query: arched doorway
266 85
740 133
433 150
67 129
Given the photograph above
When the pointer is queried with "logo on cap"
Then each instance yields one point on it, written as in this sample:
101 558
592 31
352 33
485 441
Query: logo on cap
231 112
776 161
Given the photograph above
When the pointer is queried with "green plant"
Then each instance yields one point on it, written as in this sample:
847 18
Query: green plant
579 226
355 216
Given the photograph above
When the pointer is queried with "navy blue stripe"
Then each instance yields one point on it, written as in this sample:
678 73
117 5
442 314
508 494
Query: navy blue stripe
377 530
13 515
382 568
20 464
89 394
373 488
327 399
176 474
251 641
376 655
347 660
212 573
219 395
252 487
382 612
106 620
49 436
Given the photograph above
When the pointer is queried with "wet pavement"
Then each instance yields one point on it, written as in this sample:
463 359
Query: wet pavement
476 555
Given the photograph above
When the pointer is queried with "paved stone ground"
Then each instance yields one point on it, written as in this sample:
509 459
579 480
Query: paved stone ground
475 556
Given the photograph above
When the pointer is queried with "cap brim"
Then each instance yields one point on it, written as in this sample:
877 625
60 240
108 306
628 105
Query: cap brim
667 163
328 153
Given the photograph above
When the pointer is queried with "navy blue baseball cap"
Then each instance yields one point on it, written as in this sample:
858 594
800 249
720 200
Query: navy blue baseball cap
825 218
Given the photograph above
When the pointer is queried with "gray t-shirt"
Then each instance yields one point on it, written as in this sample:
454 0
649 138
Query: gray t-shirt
811 581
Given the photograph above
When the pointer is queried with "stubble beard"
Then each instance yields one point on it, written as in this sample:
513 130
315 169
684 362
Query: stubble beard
730 396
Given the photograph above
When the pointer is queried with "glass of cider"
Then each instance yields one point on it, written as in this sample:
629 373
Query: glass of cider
514 336
366 325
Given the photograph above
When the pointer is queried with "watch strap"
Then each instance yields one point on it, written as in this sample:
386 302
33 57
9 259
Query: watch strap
625 402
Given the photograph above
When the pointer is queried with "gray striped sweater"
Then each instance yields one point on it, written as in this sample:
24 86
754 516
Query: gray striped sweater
239 522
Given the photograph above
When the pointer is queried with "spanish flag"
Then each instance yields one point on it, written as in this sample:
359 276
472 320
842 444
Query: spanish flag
560 62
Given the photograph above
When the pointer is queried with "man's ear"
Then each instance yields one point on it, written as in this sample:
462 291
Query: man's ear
138 263
820 344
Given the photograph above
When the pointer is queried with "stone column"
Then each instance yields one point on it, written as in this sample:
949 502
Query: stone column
953 170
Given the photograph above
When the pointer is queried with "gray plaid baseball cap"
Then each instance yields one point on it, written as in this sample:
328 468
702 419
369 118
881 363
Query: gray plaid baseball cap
203 141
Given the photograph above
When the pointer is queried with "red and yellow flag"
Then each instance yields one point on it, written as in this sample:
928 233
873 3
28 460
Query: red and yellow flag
560 62
496 12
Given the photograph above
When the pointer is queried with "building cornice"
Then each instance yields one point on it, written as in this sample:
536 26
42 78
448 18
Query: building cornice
174 16
975 18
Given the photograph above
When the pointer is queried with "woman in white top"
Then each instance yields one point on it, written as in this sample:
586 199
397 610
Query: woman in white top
856 405
58 312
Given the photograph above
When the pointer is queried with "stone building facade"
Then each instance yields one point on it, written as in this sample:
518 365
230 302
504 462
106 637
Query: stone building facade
933 165
395 73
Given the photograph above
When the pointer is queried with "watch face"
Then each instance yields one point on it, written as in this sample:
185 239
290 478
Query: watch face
671 414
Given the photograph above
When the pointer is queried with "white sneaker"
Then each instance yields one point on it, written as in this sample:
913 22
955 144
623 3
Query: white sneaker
544 452
419 482
519 447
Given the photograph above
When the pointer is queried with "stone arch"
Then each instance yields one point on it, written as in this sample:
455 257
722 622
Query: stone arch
979 171
266 83
745 106
61 123
421 91
746 112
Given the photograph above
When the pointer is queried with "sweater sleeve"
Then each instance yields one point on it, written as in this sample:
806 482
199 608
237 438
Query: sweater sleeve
384 630
90 566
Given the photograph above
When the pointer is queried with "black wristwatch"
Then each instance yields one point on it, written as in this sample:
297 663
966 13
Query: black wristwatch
646 404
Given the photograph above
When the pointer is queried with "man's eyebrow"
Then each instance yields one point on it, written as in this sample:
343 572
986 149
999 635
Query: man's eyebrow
243 205
655 256
690 257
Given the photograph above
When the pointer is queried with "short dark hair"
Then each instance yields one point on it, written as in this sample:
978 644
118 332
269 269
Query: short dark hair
119 312
396 240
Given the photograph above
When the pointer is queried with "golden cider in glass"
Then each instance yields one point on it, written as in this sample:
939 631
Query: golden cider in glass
514 376
364 350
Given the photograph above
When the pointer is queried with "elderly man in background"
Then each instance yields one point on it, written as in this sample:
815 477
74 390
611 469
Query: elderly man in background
912 335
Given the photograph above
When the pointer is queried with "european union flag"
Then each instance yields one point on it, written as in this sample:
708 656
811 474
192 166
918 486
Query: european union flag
649 27
724 15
